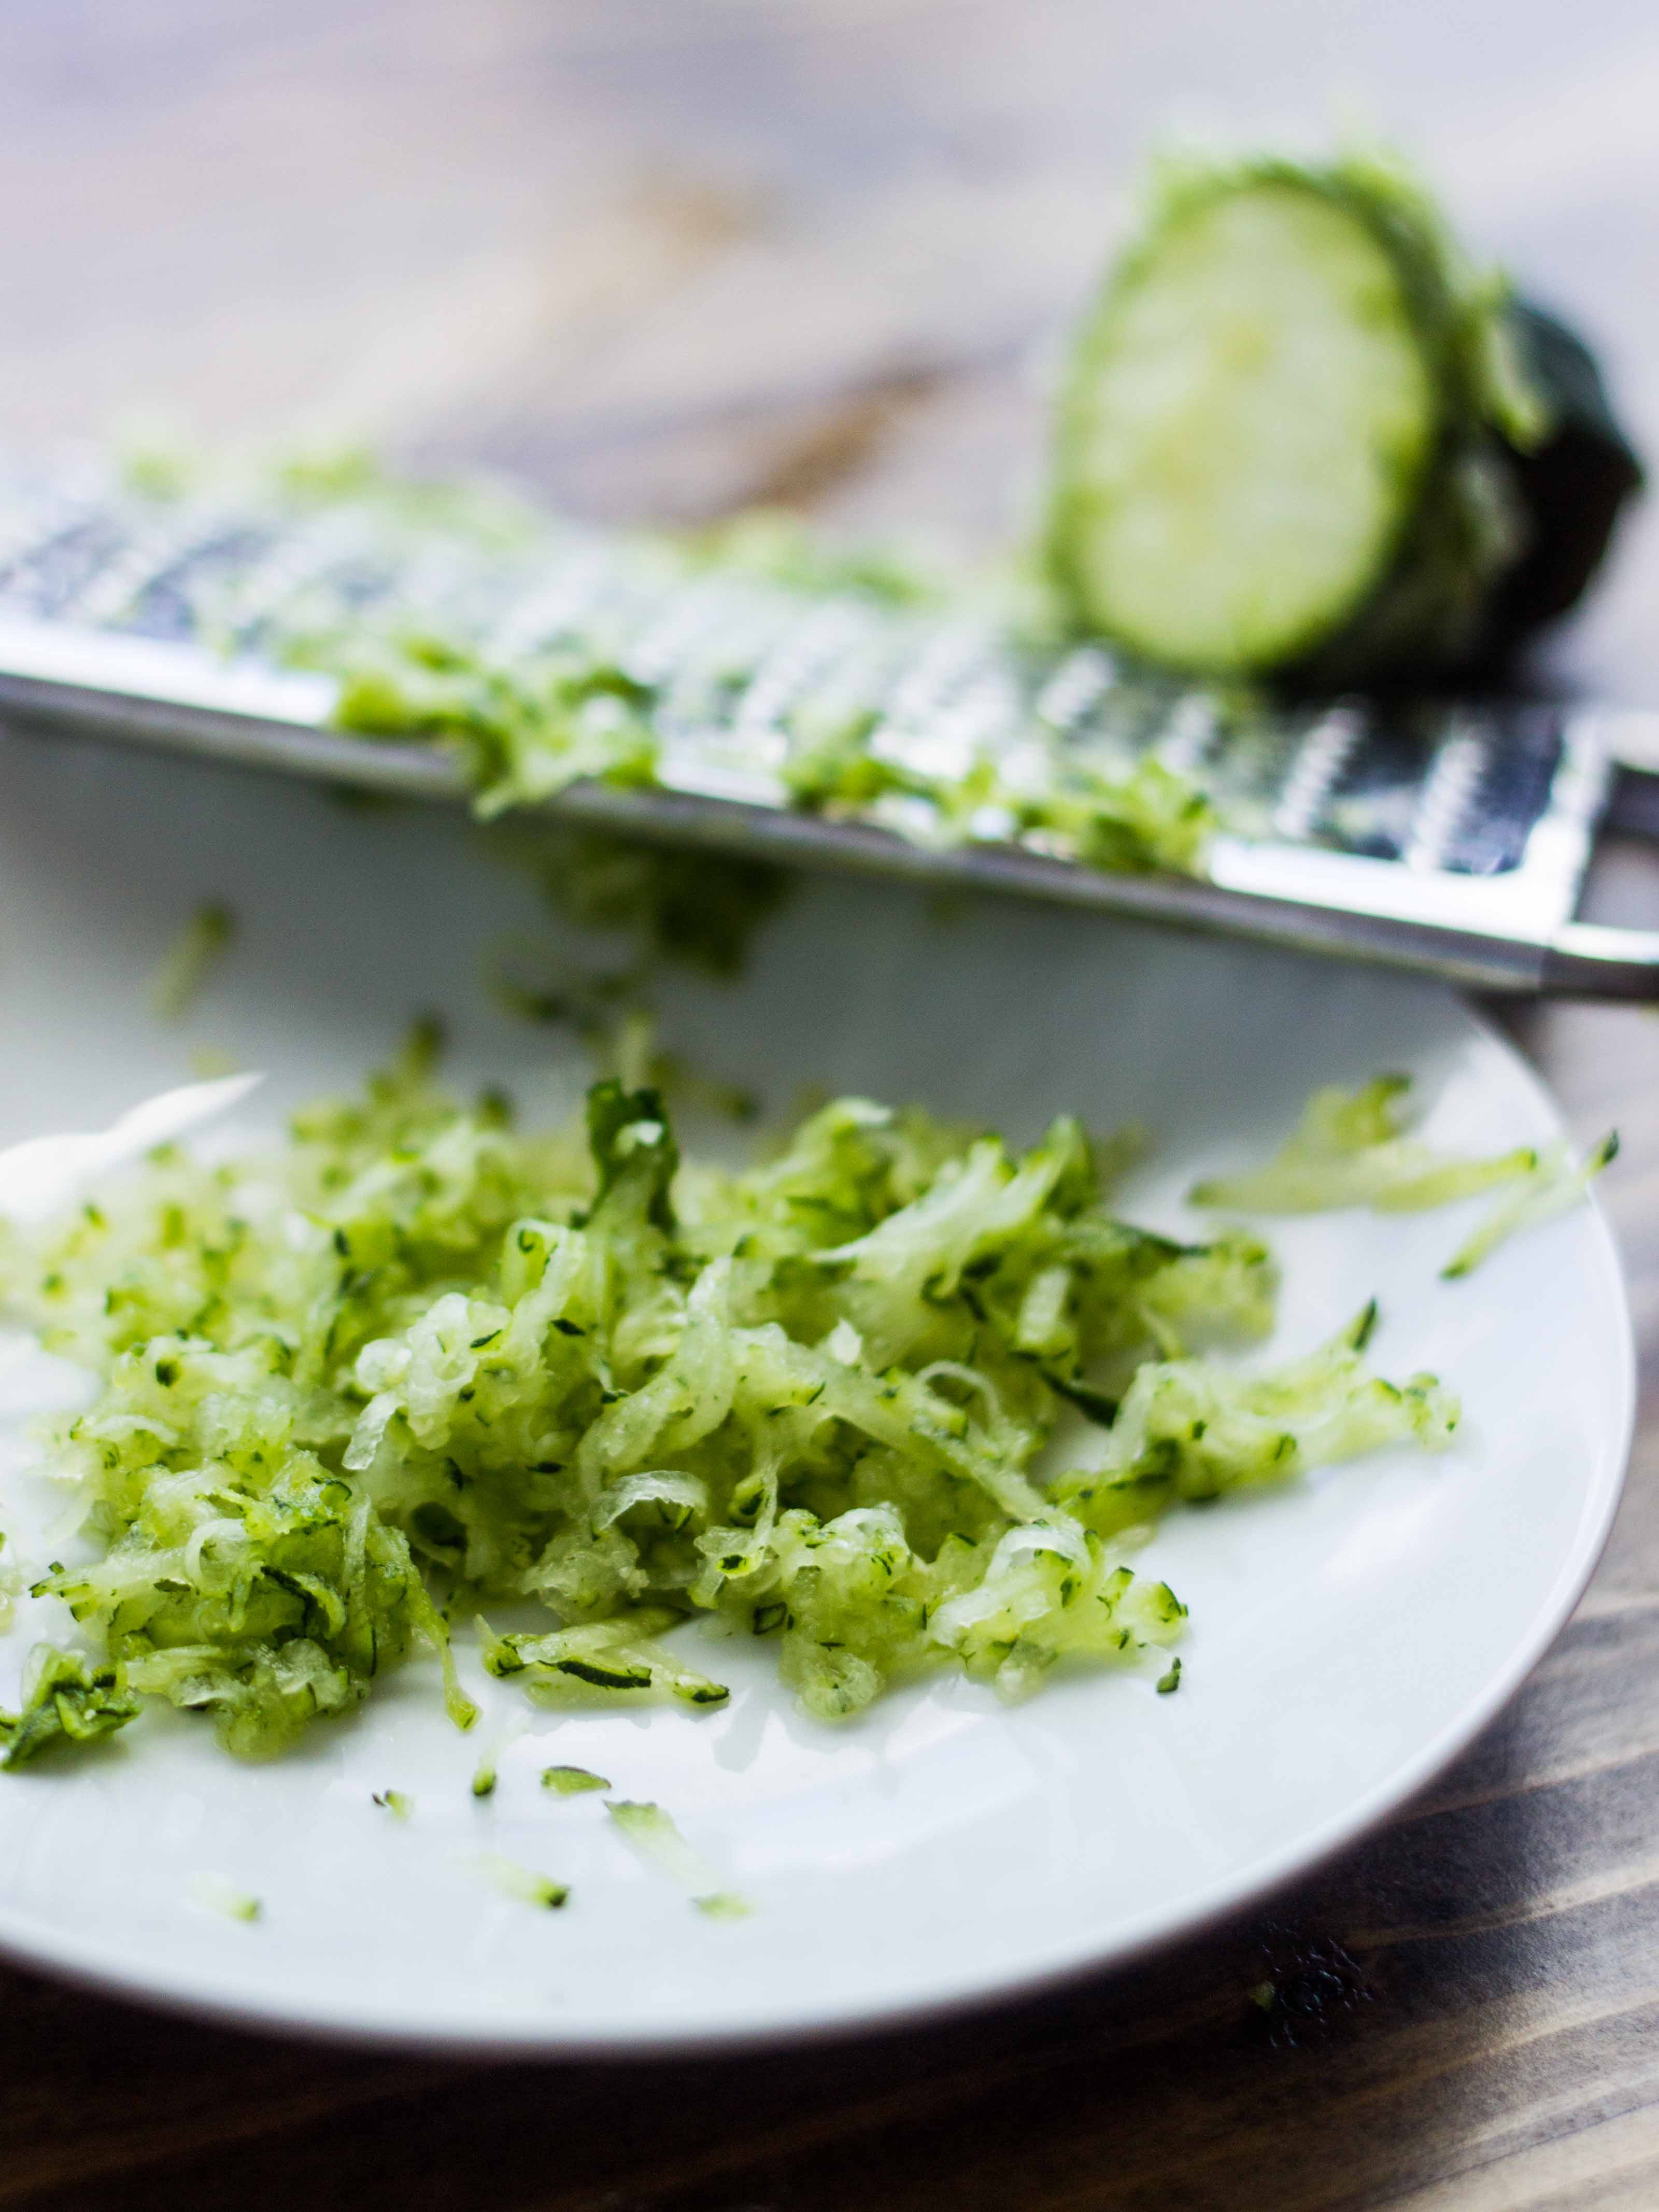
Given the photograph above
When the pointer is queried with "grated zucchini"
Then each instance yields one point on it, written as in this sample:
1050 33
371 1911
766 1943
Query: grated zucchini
65 1699
724 1905
1555 1183
200 945
1353 1149
518 1881
572 1781
653 1836
214 1892
414 1363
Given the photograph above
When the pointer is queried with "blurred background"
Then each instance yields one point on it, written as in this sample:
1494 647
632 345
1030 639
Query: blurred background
664 257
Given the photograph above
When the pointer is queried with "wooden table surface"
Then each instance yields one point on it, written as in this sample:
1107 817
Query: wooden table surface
666 257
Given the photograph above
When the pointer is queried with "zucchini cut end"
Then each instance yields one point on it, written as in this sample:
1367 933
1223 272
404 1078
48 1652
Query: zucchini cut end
1248 423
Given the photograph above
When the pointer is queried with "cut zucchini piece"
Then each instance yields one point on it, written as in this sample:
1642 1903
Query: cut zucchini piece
1574 483
1246 437
1301 438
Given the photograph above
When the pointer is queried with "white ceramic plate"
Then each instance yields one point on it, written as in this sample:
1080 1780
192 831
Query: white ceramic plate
1347 1639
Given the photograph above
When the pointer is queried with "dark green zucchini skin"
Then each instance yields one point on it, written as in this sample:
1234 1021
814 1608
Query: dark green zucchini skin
1558 501
1572 488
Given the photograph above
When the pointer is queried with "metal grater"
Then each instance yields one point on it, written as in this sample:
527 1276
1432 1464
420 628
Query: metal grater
1449 837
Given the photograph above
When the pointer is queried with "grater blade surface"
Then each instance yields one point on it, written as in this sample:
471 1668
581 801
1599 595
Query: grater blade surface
1452 836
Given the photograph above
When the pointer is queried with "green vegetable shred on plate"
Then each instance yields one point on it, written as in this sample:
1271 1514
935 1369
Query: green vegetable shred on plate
65 1699
200 945
724 1905
214 1893
895 1399
655 1838
1353 1149
572 1781
515 1881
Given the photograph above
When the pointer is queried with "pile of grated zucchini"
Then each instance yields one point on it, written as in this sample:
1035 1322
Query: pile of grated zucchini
415 1368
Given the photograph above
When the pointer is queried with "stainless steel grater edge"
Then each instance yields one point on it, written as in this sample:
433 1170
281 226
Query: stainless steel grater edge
1453 837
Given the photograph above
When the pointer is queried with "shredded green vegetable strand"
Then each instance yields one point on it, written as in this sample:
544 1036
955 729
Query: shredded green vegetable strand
571 1781
413 1364
724 1905
694 910
1554 1184
1352 1149
515 1881
654 1837
525 730
203 942
11 1587
213 1892
66 1699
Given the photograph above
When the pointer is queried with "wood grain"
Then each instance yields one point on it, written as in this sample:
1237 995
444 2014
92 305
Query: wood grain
666 256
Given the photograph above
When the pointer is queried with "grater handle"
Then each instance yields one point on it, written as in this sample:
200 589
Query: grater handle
1600 960
1631 739
1606 960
